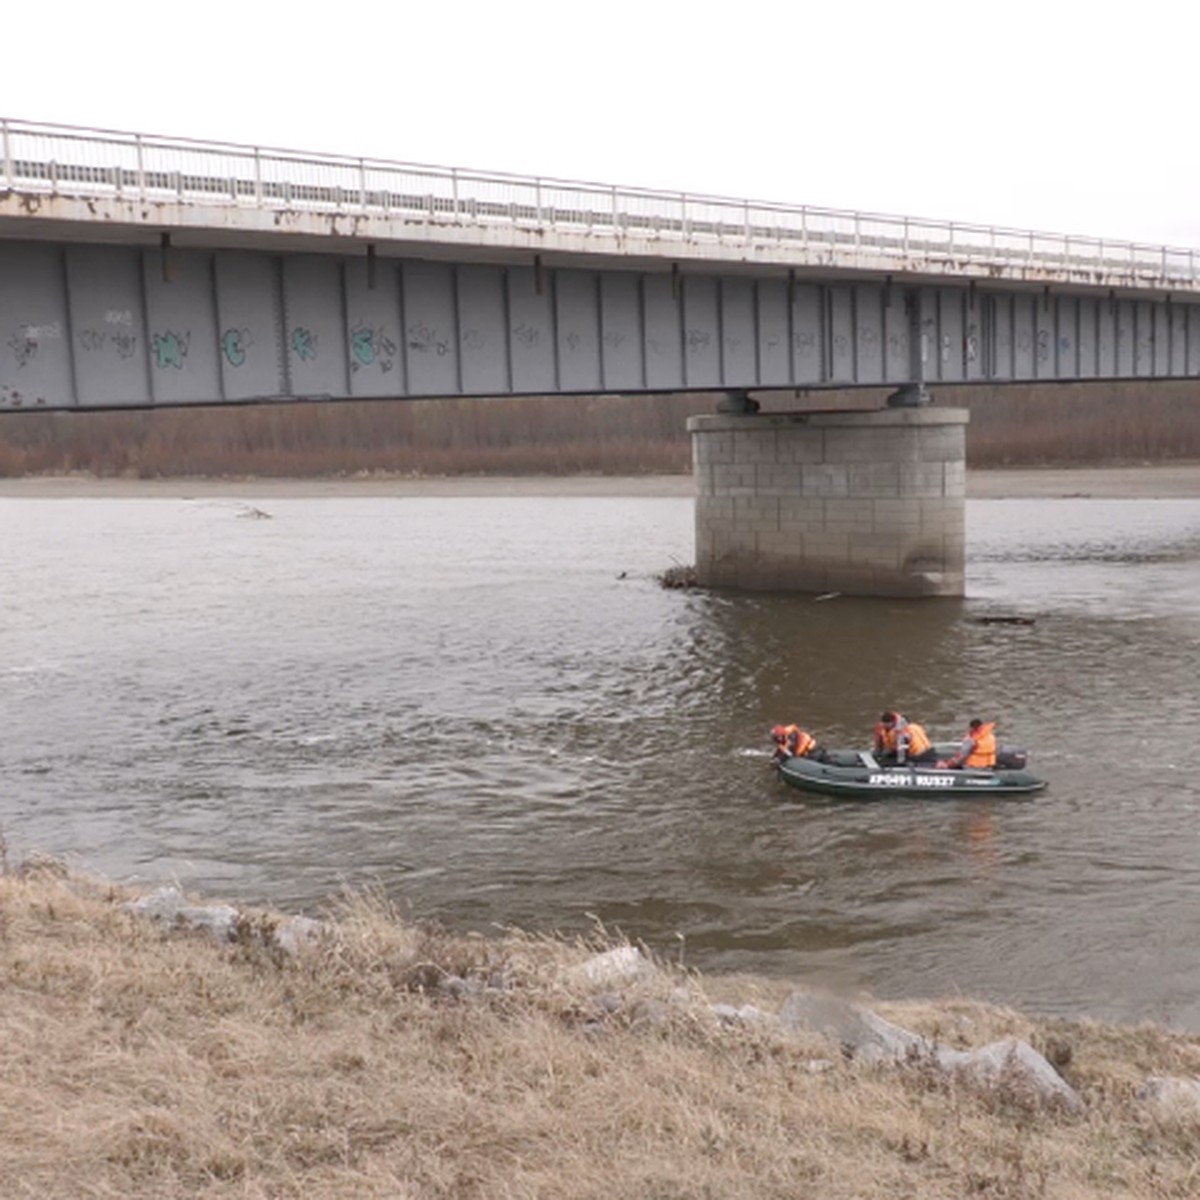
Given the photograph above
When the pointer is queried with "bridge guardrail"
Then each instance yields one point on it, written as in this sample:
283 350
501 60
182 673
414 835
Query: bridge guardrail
59 159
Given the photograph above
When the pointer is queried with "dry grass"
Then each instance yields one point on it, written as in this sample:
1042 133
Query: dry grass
1080 423
538 436
140 1063
1011 425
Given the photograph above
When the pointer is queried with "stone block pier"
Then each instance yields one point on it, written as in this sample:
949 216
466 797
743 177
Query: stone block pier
862 503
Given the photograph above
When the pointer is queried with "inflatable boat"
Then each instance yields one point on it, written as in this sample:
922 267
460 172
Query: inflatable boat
857 773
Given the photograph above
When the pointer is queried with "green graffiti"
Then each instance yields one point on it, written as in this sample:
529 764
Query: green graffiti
170 349
370 347
233 345
362 342
304 343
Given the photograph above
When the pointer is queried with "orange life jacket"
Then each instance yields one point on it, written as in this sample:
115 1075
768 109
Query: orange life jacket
885 735
983 746
796 741
918 739
888 737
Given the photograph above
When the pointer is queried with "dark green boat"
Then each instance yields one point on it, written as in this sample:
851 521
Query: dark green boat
857 773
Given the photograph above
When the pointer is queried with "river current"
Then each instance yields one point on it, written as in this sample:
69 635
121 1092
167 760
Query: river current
488 708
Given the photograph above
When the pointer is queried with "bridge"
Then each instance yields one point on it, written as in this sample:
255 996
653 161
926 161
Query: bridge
139 271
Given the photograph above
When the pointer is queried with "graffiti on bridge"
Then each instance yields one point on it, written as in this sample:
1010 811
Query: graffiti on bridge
27 339
304 343
10 397
370 346
24 349
234 344
171 348
92 340
527 336
423 339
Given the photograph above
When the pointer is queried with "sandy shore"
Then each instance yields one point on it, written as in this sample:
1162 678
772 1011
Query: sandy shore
1177 481
54 487
1181 481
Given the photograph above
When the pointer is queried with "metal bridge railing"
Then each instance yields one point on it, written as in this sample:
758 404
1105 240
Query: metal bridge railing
65 160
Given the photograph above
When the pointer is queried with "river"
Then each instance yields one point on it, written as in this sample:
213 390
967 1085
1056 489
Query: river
488 708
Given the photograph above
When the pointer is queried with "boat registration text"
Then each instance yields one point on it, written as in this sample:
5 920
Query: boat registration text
930 781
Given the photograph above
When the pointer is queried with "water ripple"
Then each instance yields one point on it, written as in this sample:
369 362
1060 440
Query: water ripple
460 701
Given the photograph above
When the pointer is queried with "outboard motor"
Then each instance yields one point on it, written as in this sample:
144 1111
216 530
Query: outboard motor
1010 758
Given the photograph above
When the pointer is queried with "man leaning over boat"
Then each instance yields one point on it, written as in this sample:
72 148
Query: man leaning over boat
793 742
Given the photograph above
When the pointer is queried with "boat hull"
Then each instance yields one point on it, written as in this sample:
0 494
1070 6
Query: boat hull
856 774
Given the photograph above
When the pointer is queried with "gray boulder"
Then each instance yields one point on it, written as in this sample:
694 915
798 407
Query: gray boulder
1013 1062
747 1014
1171 1092
862 1034
168 906
612 967
867 1037
296 932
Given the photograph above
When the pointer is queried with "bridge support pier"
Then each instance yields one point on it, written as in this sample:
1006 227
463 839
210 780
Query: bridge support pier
863 503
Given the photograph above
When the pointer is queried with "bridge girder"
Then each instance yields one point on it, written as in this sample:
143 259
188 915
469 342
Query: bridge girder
87 325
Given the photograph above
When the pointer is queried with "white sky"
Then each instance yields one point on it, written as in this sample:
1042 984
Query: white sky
1071 117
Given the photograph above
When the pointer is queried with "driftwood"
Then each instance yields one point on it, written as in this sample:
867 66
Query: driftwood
679 576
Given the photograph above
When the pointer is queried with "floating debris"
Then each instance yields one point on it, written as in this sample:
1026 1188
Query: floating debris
1006 620
255 514
827 596
679 576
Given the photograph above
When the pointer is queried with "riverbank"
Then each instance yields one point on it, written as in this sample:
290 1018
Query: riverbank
1175 481
1012 424
367 1057
1172 481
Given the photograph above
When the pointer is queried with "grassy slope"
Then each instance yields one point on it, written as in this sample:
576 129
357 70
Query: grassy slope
137 1063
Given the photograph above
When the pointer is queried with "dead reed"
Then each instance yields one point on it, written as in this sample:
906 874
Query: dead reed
1011 425
387 1060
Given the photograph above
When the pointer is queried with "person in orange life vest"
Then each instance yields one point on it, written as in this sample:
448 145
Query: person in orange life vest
978 747
793 742
899 740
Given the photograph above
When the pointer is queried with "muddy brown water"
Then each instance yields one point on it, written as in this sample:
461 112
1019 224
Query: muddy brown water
487 706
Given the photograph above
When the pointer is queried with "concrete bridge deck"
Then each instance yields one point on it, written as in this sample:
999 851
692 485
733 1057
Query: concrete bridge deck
65 183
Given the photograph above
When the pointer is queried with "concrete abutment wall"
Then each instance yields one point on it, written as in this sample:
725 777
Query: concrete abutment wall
863 503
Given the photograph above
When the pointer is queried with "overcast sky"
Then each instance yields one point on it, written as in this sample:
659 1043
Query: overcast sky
1071 117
